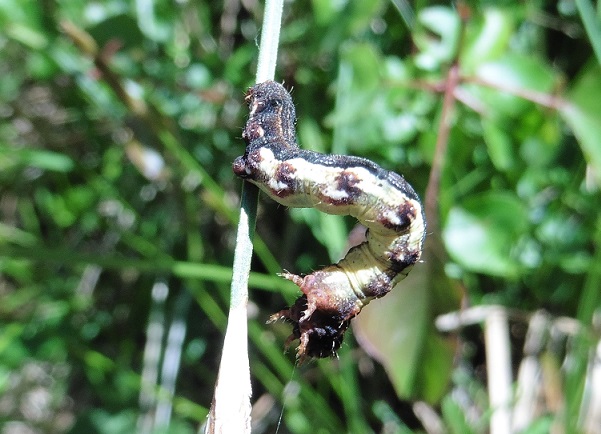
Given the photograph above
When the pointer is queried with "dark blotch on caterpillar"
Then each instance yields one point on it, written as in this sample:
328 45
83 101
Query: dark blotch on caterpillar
336 184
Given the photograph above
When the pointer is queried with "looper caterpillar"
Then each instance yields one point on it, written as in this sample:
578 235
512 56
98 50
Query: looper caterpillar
336 184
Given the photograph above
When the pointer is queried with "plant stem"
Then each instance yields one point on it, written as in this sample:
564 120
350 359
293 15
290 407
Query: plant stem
270 37
230 410
442 140
157 122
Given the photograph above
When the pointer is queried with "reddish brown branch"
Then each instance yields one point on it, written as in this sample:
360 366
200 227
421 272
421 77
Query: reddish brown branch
544 99
442 140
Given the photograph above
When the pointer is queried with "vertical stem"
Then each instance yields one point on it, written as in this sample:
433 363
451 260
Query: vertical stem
498 367
172 356
529 372
590 298
442 141
270 37
230 409
152 357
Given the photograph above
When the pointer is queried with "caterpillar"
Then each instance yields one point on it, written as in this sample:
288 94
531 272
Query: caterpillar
335 184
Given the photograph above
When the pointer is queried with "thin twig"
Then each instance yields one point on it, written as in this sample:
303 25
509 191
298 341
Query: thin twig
442 141
547 100
452 80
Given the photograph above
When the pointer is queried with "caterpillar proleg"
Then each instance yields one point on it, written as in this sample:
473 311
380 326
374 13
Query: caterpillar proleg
335 184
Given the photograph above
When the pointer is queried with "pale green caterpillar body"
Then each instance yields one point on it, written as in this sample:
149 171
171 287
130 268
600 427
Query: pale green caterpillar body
335 184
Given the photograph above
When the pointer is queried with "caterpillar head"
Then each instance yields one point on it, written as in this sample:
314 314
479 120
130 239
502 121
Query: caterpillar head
272 115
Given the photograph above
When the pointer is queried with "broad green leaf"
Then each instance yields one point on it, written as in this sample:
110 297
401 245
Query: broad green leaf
398 330
592 26
482 233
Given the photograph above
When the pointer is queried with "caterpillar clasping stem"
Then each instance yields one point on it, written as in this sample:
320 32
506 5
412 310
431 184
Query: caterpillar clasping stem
335 184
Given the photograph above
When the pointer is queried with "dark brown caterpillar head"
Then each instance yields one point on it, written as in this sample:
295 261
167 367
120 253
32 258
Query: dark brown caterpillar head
272 116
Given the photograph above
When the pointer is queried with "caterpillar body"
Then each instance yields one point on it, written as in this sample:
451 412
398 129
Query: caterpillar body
335 184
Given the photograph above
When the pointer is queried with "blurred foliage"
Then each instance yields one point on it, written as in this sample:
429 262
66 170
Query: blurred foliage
118 125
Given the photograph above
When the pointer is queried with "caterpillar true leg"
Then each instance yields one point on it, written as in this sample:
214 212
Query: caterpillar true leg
336 184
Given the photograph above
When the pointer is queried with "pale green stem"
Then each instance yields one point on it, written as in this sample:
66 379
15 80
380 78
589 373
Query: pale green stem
230 410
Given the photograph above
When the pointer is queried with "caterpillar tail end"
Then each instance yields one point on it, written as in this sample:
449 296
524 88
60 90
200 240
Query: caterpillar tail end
320 331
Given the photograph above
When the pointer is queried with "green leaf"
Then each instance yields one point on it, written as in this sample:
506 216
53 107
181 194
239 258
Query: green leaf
582 112
28 36
444 23
487 38
399 332
361 14
20 20
365 63
120 27
326 10
482 233
499 145
149 21
518 70
11 157
513 72
15 235
455 417
330 230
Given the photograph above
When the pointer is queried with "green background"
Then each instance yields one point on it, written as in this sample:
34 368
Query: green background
119 121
